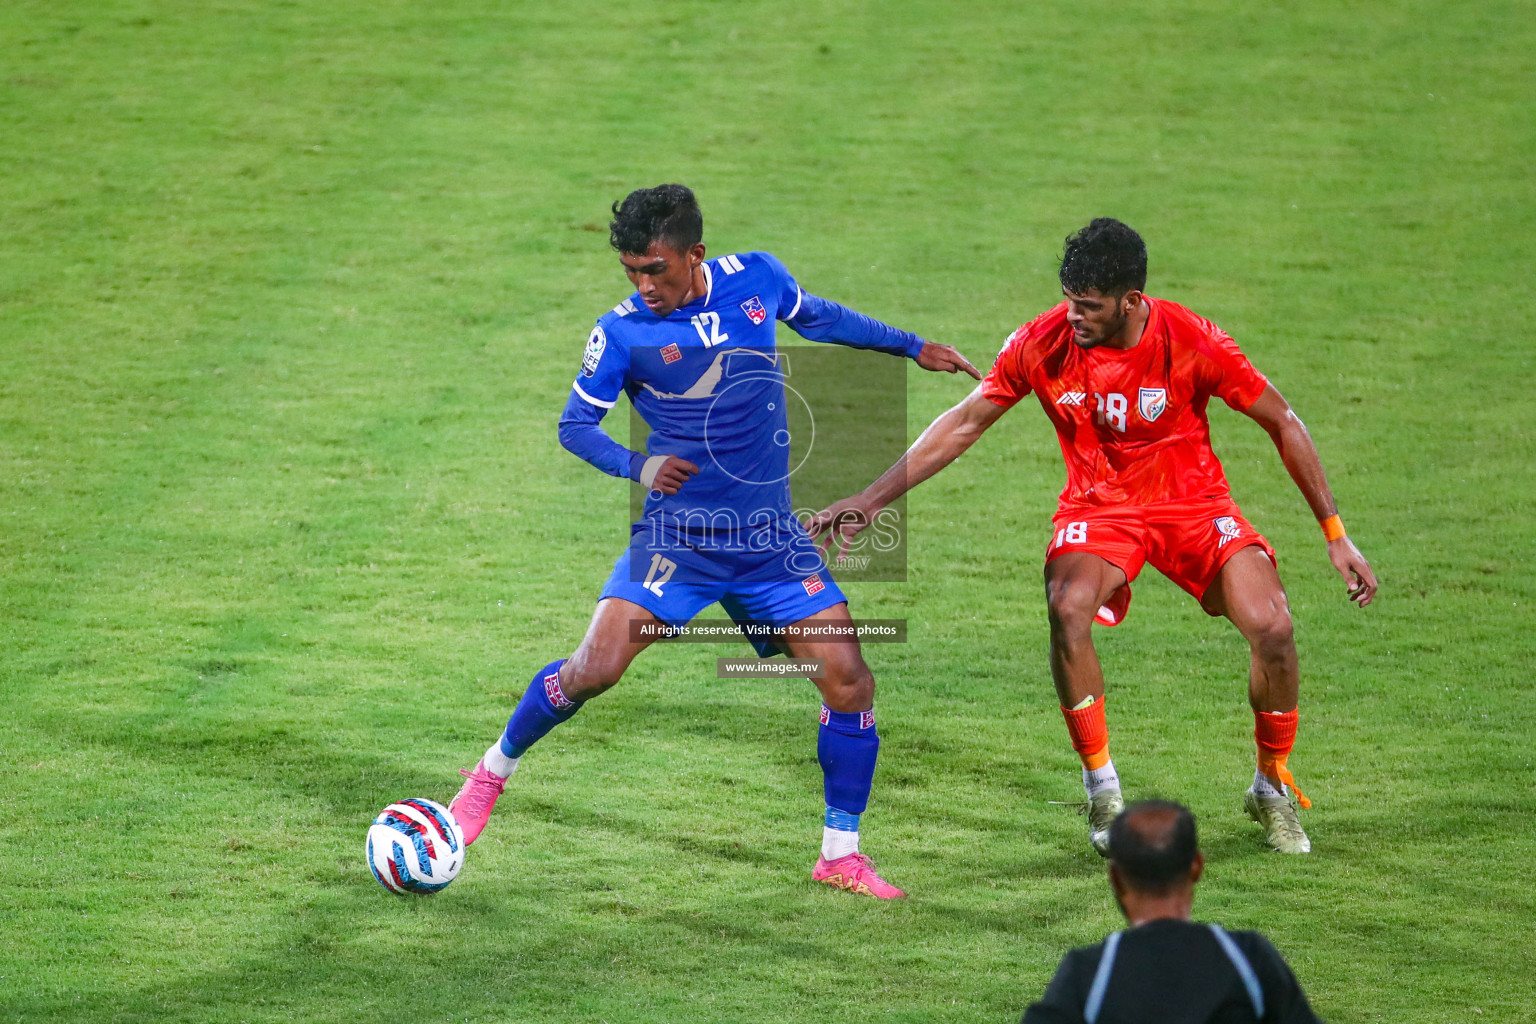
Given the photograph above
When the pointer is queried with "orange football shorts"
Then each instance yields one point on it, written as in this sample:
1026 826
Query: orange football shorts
1186 541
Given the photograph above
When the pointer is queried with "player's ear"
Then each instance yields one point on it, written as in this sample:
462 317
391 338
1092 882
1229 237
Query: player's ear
696 251
1197 868
1118 887
1130 301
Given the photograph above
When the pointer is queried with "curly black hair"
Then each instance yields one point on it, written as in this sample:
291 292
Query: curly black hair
666 213
1107 257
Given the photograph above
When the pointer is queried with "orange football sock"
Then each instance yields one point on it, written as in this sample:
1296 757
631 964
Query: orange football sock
1090 733
1275 733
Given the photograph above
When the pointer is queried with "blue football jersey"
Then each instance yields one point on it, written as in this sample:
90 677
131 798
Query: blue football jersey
708 380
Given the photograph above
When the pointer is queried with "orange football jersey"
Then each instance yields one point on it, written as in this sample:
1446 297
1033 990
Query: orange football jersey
1131 422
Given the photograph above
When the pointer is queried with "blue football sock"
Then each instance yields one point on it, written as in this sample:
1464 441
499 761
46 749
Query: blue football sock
839 835
543 707
847 747
841 821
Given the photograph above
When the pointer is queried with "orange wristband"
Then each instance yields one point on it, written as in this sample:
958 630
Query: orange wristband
1333 527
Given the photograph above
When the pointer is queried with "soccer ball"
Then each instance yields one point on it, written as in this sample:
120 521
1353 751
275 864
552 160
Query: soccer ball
415 845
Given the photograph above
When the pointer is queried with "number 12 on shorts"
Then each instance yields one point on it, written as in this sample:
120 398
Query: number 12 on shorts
661 570
1072 533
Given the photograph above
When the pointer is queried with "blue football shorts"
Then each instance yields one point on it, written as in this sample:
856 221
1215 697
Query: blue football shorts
674 579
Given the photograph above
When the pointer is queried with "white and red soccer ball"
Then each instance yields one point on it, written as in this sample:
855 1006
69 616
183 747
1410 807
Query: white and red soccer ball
415 846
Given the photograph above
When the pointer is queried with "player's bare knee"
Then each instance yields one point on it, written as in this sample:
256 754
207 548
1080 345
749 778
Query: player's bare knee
586 674
1071 607
1273 637
849 687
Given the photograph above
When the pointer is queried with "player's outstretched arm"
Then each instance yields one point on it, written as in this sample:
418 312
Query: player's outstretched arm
819 319
1279 420
945 440
944 359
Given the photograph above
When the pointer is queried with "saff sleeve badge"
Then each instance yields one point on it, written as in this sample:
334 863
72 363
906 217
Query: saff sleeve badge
596 342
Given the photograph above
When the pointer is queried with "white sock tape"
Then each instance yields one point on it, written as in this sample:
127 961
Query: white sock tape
650 469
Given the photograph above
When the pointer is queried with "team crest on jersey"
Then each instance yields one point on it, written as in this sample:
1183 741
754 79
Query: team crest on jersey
813 584
596 342
753 307
1228 528
671 354
1072 398
1152 402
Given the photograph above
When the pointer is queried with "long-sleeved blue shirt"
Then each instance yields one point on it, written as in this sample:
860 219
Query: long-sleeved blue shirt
705 379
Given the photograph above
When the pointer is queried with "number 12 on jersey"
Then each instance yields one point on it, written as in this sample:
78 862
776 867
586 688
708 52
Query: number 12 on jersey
708 326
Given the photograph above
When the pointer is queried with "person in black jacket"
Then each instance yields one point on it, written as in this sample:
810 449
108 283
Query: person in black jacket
1165 967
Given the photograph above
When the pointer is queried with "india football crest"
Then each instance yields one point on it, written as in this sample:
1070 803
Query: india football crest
1151 402
1228 528
596 342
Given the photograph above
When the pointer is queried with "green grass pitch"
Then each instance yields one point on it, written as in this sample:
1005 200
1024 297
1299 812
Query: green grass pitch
290 298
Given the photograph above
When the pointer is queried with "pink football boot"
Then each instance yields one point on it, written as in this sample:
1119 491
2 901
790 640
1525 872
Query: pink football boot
856 873
472 807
